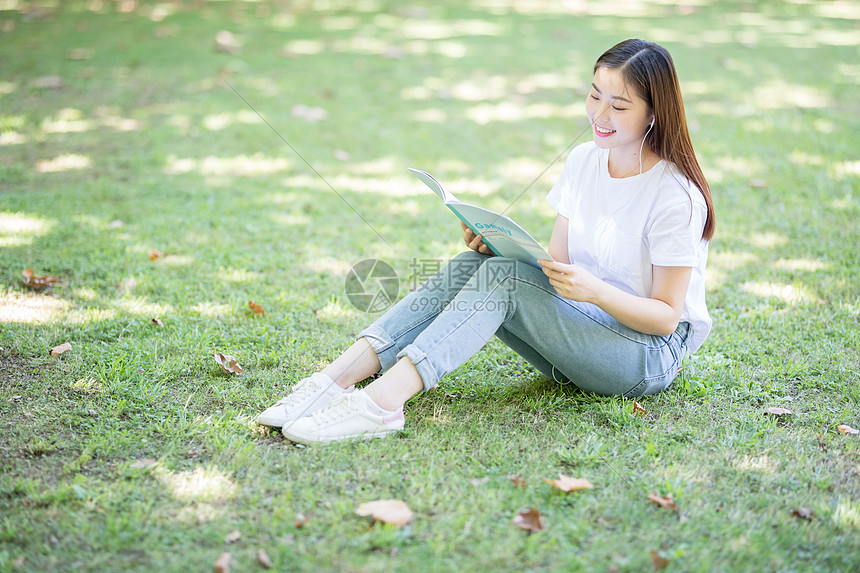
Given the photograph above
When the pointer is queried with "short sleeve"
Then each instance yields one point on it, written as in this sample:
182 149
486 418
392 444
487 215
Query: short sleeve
560 196
675 233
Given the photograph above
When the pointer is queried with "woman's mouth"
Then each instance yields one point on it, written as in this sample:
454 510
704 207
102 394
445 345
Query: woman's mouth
602 131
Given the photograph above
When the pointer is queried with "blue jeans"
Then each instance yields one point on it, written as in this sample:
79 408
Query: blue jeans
449 318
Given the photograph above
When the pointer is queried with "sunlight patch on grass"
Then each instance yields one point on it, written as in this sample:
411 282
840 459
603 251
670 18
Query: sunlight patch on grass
508 111
779 94
335 312
241 165
12 138
801 265
789 293
847 169
17 229
211 309
238 276
202 484
67 120
30 308
63 163
142 307
768 240
757 463
847 513
88 315
329 266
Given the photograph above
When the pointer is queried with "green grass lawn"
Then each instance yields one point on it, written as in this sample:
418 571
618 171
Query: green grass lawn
124 128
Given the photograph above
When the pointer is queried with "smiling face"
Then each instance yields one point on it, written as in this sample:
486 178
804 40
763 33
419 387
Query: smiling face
619 116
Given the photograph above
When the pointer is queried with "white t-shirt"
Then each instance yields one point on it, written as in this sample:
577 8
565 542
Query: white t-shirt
618 228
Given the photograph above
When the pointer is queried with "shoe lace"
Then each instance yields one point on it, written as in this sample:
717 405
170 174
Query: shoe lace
301 391
339 407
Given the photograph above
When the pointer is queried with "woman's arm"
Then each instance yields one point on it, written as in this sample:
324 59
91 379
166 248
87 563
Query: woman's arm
658 315
558 242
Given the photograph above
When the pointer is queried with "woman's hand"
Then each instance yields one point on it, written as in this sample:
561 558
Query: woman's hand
572 281
474 241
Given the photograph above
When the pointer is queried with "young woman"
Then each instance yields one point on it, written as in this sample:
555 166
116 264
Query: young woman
614 312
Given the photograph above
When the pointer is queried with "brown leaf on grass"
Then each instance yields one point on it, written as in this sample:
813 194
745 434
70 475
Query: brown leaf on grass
300 520
20 561
142 463
530 520
658 561
222 564
391 511
263 559
664 502
256 308
847 429
155 254
233 536
777 411
567 483
157 322
803 513
57 350
37 282
228 363
518 481
638 409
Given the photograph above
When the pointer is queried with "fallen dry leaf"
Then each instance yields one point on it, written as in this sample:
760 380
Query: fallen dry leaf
391 511
155 254
142 463
256 308
530 520
37 282
803 513
157 322
20 561
665 502
300 520
847 429
263 559
777 411
228 363
57 350
517 481
638 409
233 536
222 564
658 561
567 483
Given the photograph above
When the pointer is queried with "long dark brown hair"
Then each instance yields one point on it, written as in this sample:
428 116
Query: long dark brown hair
649 70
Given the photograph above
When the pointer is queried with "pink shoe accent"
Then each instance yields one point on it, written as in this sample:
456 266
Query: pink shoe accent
395 417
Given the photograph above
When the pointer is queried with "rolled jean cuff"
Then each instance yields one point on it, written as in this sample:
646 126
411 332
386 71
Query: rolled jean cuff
382 344
422 364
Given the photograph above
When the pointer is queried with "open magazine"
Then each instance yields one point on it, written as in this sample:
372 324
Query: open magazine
500 233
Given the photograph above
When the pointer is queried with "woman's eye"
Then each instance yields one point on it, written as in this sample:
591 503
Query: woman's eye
616 108
594 97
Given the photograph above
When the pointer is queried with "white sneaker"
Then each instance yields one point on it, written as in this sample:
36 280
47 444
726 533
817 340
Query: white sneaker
347 416
308 395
